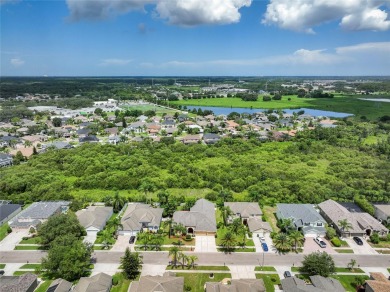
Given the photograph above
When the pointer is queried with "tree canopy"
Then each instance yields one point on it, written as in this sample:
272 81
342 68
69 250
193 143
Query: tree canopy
318 263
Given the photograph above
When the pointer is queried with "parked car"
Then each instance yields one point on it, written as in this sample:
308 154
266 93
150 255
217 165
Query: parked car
358 240
262 239
320 242
132 239
264 246
1 272
287 274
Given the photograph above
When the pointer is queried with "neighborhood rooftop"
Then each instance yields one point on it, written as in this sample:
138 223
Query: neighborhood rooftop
94 216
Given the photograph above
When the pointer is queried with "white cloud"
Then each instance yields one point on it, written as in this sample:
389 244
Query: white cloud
102 9
17 62
114 62
198 12
302 15
379 47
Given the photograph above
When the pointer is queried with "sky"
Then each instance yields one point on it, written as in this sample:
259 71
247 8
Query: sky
194 38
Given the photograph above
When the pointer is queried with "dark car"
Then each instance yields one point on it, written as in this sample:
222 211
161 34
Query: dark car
1 272
132 239
264 246
358 240
287 274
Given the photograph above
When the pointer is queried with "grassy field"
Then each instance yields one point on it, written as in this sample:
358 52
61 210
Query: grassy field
270 280
348 282
3 231
43 287
340 103
197 280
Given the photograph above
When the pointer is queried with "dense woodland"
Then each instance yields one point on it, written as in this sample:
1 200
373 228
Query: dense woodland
314 166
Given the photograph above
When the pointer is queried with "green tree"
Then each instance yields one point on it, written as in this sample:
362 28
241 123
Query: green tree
351 264
57 122
157 240
191 261
228 241
168 223
174 252
179 229
118 202
225 212
114 225
345 225
68 258
318 263
282 242
131 264
330 233
58 225
296 238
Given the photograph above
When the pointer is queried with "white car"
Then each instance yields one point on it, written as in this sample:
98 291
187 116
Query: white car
320 242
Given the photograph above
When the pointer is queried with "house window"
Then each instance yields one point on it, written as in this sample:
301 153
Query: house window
319 224
307 224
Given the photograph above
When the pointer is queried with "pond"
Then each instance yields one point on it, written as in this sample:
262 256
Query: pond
308 111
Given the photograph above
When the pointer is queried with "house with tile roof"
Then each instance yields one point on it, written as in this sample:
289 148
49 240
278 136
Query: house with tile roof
377 283
139 216
361 223
304 218
60 285
199 220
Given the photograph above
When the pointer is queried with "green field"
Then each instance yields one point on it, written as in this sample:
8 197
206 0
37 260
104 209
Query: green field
197 280
340 103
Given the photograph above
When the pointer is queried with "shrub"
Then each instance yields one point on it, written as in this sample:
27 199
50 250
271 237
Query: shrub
374 238
273 279
188 237
330 233
264 218
9 229
336 242
311 163
266 98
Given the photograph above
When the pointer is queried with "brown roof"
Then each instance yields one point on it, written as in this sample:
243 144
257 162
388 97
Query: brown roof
26 151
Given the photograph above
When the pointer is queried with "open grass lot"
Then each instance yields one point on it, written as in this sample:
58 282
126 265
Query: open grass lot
43 286
348 282
340 103
197 280
269 213
200 268
122 284
270 280
3 231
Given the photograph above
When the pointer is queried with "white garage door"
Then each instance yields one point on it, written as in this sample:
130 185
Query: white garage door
91 236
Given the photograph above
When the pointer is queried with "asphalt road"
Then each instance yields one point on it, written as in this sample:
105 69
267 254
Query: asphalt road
270 259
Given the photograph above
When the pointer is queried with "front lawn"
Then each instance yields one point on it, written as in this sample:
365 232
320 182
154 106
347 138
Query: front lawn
43 286
200 268
30 266
2 266
175 239
197 280
270 280
338 270
3 231
121 283
28 247
348 282
266 268
31 240
239 238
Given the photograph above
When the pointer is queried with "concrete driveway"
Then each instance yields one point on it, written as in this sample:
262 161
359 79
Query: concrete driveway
268 241
205 243
360 249
311 246
91 237
242 272
153 270
12 239
109 269
121 243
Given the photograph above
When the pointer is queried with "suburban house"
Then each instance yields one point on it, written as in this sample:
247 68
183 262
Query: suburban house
99 283
191 139
258 227
139 216
362 223
244 285
304 218
93 219
56 145
377 283
243 210
382 212
318 284
168 124
211 138
199 220
8 211
167 282
37 213
24 283
114 139
60 285
5 159
89 139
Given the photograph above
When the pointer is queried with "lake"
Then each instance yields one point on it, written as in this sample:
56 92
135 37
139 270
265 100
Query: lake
308 111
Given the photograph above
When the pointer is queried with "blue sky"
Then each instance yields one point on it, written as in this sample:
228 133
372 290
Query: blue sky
194 37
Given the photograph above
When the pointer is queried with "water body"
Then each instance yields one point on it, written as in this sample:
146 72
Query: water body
308 111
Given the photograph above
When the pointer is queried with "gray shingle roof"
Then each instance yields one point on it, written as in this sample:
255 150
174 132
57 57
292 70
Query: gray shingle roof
59 285
99 283
25 282
237 285
164 283
7 209
94 216
255 224
299 213
37 212
245 209
320 284
201 216
137 213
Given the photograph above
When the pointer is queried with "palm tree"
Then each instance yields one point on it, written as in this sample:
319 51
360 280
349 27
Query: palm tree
181 256
228 241
168 223
285 224
344 225
118 202
157 241
107 239
282 242
174 252
225 212
145 239
191 260
236 225
179 229
297 239
115 224
351 264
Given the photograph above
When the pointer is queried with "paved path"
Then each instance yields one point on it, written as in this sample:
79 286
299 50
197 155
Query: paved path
11 268
205 243
109 269
12 239
360 249
242 272
204 259
153 270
